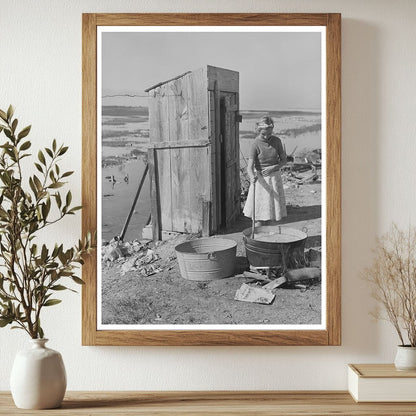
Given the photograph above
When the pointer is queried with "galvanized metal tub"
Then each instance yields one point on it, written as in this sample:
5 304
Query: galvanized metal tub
275 246
206 258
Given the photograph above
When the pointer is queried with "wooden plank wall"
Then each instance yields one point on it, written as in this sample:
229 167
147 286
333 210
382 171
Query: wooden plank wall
179 113
179 157
212 134
198 157
229 160
236 208
227 80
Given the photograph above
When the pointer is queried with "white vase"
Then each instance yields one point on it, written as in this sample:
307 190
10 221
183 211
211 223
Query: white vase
38 378
405 358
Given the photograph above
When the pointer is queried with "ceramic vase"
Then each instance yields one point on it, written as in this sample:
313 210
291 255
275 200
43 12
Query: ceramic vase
38 377
405 358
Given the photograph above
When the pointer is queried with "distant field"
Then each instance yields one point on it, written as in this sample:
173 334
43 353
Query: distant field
121 120
301 130
115 110
254 114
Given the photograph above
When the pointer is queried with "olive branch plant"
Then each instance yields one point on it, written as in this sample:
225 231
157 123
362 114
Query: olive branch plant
393 277
30 273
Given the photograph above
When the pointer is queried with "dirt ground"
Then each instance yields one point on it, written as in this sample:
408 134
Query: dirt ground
167 298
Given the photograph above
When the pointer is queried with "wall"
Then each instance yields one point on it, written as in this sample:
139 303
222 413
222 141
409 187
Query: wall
41 75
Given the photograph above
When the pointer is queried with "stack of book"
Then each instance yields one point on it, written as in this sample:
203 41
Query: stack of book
381 383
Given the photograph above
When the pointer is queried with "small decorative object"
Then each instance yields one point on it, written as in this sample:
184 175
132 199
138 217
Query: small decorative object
30 272
381 383
38 379
393 276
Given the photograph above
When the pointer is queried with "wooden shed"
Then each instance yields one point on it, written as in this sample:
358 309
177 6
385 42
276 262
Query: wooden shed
194 152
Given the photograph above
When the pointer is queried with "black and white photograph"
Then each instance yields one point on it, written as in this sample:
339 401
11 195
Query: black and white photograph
211 173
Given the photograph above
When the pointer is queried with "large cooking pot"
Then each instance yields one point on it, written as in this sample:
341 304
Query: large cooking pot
275 246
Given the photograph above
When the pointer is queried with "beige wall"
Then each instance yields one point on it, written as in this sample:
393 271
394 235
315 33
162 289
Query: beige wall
40 73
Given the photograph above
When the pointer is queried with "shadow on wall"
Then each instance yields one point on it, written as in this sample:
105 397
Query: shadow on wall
361 185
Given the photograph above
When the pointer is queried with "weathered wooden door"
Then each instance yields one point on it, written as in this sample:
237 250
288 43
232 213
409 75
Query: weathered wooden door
179 154
230 159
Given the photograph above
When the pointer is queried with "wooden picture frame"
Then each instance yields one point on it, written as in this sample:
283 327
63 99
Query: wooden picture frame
331 334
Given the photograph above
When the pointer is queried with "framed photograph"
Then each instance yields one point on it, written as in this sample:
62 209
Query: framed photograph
211 172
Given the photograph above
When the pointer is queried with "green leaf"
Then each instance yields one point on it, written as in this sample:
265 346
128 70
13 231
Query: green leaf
8 133
54 145
66 274
59 287
37 183
63 151
34 249
33 187
41 157
44 253
25 145
45 211
55 251
67 174
10 112
39 167
58 199
14 125
5 321
49 152
77 208
62 257
3 115
24 132
40 332
51 302
56 185
68 199
78 280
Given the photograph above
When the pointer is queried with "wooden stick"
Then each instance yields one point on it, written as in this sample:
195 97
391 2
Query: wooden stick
253 216
154 197
126 224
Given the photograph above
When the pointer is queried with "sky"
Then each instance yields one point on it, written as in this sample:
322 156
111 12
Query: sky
278 71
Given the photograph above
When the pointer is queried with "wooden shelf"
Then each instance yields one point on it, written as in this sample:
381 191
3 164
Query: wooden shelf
212 403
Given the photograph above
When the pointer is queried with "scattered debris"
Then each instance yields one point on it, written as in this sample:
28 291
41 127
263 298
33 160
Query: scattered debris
112 251
143 257
133 256
252 294
306 273
149 270
302 287
275 283
256 276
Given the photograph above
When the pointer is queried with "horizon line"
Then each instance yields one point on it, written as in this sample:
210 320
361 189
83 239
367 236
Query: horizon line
315 110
